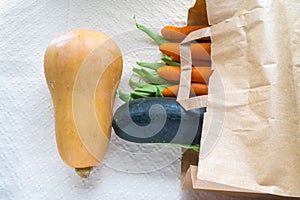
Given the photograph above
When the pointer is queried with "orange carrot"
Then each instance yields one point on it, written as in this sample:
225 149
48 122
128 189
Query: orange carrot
177 34
196 89
194 61
200 51
200 74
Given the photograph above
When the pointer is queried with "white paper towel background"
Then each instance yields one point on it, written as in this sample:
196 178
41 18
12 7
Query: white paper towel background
30 167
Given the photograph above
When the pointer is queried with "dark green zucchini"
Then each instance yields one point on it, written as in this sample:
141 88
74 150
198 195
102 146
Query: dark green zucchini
158 120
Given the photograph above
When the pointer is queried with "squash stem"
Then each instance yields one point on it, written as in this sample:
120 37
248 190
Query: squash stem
84 172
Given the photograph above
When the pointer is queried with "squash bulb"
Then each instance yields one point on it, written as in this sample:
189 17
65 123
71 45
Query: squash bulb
83 69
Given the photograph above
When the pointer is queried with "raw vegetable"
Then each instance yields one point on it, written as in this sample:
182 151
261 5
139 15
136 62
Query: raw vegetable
131 120
177 34
200 74
82 69
151 77
123 96
199 51
156 37
154 65
196 89
142 90
168 60
160 82
158 120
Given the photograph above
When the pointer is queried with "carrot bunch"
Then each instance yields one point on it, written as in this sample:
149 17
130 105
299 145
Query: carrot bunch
161 79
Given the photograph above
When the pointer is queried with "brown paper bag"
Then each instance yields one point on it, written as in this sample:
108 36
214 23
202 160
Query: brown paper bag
251 137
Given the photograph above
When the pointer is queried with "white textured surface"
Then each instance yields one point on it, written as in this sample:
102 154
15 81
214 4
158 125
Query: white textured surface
30 167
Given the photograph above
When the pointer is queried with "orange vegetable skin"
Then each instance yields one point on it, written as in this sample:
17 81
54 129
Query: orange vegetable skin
196 89
200 74
200 52
63 59
177 34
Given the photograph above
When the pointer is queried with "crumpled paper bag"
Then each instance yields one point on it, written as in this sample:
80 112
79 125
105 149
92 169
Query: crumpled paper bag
251 136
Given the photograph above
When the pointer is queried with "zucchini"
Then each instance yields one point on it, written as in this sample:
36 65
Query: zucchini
158 120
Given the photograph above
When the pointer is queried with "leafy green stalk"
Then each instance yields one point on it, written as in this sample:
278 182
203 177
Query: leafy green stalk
156 37
159 90
142 90
136 95
154 89
147 88
192 147
151 77
168 60
154 65
135 84
123 96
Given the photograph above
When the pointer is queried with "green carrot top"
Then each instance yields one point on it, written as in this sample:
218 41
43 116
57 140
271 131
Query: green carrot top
156 37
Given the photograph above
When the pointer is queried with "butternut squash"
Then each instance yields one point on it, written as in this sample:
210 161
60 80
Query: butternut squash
83 69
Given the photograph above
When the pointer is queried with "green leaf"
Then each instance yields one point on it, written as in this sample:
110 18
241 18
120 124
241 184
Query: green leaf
159 92
123 96
168 60
192 147
157 38
143 90
154 65
151 77
139 72
136 95
147 88
154 77
160 88
135 84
